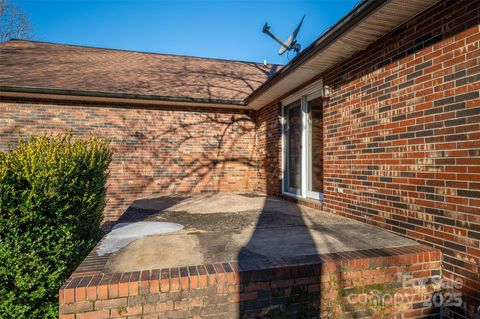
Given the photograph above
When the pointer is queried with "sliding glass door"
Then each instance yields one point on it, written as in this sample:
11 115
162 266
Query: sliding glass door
303 148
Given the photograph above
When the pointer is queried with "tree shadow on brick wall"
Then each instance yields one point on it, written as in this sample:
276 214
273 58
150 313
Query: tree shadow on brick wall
196 152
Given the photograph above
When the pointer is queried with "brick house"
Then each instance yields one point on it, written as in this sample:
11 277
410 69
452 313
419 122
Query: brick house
377 120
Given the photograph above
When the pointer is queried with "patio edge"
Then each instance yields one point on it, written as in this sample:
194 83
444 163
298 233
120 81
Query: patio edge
229 289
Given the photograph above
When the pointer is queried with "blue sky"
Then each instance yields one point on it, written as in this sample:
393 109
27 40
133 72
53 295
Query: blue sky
219 29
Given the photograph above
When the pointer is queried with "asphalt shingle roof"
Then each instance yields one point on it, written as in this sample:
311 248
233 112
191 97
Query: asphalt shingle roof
58 66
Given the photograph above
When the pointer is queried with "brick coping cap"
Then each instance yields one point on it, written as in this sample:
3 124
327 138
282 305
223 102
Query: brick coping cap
391 256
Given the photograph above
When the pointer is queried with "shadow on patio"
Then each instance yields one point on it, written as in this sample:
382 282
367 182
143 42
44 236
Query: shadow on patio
247 256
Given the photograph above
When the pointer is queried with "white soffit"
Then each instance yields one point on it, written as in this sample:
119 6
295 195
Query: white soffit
386 18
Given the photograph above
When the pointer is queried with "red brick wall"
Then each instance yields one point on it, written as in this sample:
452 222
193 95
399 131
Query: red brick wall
269 148
333 283
155 150
402 137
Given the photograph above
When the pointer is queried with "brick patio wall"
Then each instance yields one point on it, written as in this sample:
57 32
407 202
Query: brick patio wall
269 149
402 137
297 286
155 150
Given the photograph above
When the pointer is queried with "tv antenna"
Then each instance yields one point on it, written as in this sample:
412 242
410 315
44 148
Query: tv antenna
291 43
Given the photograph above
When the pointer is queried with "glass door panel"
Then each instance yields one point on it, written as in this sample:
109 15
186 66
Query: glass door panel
315 149
294 148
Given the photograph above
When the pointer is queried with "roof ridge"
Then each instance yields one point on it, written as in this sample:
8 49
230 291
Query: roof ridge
144 52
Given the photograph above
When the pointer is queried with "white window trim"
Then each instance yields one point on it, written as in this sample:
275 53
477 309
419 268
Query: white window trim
307 94
312 91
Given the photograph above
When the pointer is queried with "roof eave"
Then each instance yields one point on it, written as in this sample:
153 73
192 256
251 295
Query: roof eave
361 14
354 16
129 98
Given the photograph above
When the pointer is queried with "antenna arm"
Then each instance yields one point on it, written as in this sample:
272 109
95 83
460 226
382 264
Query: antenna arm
267 31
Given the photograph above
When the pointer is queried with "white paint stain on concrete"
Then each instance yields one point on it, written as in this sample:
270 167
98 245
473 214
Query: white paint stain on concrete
124 233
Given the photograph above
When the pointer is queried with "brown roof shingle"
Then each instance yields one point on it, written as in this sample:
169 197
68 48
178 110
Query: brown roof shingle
78 68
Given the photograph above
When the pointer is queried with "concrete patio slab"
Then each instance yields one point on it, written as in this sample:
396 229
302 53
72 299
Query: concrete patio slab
245 256
230 227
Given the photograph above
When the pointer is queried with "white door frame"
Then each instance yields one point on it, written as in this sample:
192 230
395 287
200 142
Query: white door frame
304 156
310 93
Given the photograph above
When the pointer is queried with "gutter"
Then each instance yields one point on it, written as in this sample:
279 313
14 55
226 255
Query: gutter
361 11
111 95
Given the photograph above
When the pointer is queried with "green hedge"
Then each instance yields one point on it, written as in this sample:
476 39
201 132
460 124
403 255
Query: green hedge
52 193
